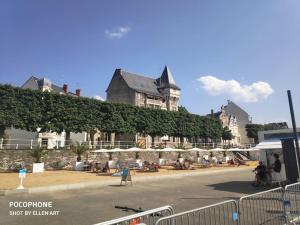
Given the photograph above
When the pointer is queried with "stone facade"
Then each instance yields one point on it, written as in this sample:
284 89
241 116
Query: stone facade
235 118
137 90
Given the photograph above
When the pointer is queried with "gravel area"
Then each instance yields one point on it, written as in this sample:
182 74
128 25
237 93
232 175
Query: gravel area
10 181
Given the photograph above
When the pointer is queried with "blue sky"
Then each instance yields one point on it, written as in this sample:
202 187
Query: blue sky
81 43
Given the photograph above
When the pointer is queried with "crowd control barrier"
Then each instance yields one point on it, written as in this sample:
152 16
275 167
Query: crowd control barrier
292 203
262 208
278 206
148 217
221 213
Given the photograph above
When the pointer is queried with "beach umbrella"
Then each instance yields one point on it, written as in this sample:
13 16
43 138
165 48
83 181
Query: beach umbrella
168 149
153 150
134 149
234 149
115 150
217 150
197 150
100 151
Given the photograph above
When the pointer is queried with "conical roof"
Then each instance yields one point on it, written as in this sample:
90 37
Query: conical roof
166 80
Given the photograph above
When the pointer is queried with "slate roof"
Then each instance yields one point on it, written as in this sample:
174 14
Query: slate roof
140 83
235 105
166 80
40 81
148 85
215 115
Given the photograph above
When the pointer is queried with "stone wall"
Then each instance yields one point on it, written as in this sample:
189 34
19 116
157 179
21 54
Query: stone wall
11 160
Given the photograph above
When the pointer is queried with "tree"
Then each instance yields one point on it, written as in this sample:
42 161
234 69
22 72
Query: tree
50 112
182 109
153 122
253 129
215 129
19 108
184 125
226 134
275 126
37 153
79 149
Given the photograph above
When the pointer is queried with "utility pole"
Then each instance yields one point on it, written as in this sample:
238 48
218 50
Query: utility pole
297 151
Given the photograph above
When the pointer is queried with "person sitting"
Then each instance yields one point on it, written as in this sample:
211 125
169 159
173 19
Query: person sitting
239 162
153 167
105 168
260 176
178 165
186 164
231 162
95 167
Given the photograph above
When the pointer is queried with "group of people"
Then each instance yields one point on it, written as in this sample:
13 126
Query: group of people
185 165
99 167
266 175
152 167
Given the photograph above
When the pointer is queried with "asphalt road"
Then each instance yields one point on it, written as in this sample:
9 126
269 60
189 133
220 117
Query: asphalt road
90 206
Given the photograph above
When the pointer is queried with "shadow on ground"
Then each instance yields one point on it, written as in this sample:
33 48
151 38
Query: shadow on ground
242 187
210 198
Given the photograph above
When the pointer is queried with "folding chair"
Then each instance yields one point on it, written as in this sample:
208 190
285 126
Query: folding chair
126 176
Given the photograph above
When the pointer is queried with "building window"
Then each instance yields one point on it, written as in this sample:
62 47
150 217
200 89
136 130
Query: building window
107 137
45 142
152 106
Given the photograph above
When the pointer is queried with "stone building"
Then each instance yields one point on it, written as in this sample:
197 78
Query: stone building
45 84
161 93
133 89
235 118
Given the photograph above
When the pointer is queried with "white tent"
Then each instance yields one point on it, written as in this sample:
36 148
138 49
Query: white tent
268 145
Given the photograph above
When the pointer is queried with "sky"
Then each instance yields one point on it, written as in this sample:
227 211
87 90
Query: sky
245 51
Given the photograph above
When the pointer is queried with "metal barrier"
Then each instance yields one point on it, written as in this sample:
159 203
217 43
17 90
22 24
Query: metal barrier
225 213
263 208
148 217
272 207
292 202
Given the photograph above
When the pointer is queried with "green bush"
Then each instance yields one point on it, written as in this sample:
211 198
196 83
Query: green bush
38 153
79 149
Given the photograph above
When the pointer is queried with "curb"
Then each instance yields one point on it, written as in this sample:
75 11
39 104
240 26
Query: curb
97 184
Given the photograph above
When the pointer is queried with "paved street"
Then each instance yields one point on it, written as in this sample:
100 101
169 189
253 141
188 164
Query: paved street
87 207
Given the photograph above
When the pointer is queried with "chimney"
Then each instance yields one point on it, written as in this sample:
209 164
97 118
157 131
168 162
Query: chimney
212 112
78 92
65 88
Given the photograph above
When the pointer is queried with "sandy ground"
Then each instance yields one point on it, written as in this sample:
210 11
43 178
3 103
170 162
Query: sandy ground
11 180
